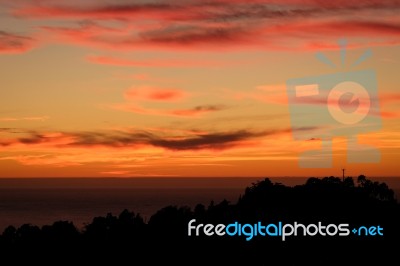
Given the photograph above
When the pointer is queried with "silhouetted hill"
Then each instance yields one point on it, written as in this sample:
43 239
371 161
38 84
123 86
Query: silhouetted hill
164 238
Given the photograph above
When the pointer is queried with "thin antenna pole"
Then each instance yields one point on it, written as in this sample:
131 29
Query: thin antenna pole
343 173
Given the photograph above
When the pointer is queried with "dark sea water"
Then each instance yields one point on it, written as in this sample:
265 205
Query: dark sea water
43 201
44 206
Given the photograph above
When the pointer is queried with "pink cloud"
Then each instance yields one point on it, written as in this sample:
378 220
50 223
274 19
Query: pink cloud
389 98
383 99
150 93
138 139
361 33
86 33
29 118
131 108
199 10
117 173
136 96
386 114
106 12
221 25
198 110
361 104
189 112
11 43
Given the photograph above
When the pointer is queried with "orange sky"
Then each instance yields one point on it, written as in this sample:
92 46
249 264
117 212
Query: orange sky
183 88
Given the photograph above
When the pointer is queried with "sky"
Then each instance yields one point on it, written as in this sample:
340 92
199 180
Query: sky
185 88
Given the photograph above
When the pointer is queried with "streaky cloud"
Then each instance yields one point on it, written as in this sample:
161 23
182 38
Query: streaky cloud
131 139
190 25
11 43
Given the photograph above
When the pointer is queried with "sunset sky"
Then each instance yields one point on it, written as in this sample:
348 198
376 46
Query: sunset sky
182 88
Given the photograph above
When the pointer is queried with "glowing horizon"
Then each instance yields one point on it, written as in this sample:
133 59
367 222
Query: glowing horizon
181 89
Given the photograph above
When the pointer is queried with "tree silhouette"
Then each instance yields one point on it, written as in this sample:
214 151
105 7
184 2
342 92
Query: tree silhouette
164 238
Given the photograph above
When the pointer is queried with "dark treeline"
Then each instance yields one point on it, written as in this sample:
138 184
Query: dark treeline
164 238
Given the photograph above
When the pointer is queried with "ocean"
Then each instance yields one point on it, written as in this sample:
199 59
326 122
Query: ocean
44 206
43 201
